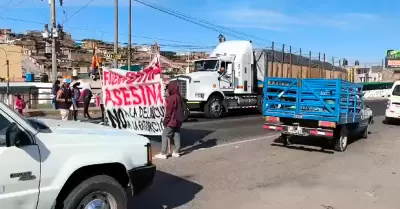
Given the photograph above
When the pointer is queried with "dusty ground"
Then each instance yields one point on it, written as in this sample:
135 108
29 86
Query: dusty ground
259 173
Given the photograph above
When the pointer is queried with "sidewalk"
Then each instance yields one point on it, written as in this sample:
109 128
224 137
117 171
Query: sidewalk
50 111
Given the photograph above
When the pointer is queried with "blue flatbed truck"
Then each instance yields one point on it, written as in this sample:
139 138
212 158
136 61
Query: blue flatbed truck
330 108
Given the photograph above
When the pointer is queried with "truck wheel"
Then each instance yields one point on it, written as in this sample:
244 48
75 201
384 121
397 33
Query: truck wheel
285 139
214 107
260 104
97 192
387 121
366 131
341 139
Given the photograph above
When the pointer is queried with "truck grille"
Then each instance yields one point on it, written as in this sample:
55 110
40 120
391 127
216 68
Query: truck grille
183 88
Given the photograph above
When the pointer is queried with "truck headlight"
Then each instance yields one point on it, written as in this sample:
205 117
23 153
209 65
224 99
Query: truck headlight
199 95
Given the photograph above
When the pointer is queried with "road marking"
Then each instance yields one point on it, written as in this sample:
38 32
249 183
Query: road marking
235 143
239 142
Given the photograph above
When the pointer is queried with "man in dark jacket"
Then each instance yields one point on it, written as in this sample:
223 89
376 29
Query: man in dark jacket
172 121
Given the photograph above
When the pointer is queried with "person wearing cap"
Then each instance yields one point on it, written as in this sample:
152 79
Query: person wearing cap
64 99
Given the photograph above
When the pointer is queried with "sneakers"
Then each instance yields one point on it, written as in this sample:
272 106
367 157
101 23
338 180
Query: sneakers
175 154
161 156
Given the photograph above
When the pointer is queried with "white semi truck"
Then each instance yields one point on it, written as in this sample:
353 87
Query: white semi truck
231 78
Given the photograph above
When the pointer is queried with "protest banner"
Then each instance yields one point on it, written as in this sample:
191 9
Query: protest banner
135 100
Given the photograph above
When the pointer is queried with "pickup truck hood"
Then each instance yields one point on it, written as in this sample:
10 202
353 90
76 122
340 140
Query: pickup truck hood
90 131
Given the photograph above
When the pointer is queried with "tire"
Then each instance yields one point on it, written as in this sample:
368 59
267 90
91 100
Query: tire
366 131
214 107
96 190
260 104
285 139
341 139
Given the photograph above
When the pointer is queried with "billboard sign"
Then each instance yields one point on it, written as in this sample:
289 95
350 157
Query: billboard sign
392 59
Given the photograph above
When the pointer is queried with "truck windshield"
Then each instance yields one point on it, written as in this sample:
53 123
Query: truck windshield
205 65
396 91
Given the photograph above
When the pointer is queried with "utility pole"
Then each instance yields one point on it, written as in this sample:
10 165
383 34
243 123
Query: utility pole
130 36
54 36
115 33
8 77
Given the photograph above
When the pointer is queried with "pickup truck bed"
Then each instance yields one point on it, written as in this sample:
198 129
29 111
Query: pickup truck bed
332 100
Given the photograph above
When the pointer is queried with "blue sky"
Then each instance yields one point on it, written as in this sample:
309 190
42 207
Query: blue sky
361 30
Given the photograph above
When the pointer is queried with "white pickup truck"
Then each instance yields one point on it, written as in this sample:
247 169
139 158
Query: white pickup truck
65 164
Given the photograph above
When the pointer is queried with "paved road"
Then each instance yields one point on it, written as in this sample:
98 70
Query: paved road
260 174
209 133
203 133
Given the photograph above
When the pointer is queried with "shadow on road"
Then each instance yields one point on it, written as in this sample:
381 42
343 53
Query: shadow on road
312 144
191 139
199 116
167 192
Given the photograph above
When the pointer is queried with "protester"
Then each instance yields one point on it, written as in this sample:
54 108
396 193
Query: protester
100 95
174 117
76 94
64 99
19 104
54 90
86 96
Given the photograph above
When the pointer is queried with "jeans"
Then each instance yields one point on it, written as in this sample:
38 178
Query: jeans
168 133
64 114
86 103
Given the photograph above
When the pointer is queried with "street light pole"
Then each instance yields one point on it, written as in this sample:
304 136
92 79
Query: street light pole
130 36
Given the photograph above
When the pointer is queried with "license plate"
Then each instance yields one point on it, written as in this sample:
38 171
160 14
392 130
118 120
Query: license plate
295 130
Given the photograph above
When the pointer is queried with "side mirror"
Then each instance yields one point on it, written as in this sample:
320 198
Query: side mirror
14 135
389 95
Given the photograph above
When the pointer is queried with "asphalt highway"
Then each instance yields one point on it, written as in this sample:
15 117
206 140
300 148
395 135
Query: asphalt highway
237 165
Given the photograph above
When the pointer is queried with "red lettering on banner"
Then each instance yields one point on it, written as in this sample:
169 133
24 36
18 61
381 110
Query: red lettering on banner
108 98
137 99
106 77
142 95
144 100
117 96
126 96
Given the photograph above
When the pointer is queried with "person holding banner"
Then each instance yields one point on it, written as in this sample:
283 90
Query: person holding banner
174 117
64 99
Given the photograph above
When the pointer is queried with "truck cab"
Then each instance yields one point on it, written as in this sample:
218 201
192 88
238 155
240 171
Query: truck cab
226 80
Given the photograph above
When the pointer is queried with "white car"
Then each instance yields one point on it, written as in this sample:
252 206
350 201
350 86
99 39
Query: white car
66 164
393 104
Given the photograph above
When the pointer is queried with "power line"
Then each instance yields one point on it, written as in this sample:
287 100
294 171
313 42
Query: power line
143 37
98 31
186 17
79 10
7 3
22 1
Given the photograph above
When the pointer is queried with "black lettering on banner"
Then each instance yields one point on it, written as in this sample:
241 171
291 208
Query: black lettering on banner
117 118
143 119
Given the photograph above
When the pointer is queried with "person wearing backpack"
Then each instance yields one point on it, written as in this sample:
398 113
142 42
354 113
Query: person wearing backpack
174 116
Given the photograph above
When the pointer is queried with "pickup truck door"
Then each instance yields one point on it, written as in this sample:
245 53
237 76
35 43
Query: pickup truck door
19 170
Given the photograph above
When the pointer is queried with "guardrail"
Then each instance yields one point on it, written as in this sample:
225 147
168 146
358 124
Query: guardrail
37 97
